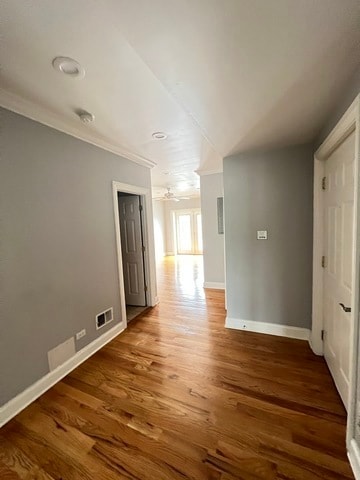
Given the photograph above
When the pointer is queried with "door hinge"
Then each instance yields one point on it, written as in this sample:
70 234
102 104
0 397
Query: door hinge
140 207
146 288
323 183
143 249
323 261
322 335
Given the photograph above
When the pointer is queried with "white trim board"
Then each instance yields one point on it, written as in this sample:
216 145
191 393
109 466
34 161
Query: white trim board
354 458
35 112
215 285
149 257
21 401
349 122
268 328
319 353
214 171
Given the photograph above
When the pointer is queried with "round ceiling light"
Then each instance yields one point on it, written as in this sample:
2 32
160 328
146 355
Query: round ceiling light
69 67
159 135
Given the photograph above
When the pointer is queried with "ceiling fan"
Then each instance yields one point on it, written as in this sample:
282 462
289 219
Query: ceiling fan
170 196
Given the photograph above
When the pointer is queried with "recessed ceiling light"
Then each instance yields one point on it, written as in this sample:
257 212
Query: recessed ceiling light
159 135
69 67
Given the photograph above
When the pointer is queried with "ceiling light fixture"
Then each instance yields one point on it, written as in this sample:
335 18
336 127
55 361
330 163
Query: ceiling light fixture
69 67
159 135
86 117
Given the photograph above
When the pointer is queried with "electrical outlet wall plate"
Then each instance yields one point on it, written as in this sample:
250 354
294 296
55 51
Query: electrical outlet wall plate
81 334
262 235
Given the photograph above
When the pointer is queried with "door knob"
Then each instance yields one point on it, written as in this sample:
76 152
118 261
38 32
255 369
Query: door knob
346 309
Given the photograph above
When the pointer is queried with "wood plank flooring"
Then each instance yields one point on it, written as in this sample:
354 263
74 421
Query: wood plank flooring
177 396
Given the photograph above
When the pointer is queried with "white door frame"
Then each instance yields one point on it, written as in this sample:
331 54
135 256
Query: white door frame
349 122
148 236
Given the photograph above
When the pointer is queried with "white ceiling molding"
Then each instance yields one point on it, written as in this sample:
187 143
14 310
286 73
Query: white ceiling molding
201 173
36 112
343 128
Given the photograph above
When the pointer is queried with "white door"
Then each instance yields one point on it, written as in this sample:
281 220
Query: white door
188 232
132 250
338 261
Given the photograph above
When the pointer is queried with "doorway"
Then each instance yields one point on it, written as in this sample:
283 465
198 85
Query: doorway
132 251
336 256
135 249
188 232
338 217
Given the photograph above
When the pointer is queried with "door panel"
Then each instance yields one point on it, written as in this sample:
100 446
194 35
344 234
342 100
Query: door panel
132 250
338 243
130 236
133 278
347 238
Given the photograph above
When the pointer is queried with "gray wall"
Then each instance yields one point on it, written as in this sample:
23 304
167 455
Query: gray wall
269 280
352 89
58 255
211 187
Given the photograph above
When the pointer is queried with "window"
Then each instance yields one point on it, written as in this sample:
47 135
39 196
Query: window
188 232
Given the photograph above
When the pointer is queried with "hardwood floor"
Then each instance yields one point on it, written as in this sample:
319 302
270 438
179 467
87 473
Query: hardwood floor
177 396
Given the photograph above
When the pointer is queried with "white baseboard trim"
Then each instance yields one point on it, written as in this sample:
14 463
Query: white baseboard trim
215 285
21 401
354 458
315 350
268 328
169 254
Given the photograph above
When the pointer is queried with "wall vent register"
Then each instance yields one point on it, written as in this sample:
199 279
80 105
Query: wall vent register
104 318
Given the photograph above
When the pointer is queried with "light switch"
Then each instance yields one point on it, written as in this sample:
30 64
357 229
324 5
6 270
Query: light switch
262 234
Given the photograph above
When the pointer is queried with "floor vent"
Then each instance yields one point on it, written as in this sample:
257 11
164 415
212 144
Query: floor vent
104 318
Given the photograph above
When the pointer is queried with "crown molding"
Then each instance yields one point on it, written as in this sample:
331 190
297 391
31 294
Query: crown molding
39 114
201 173
344 127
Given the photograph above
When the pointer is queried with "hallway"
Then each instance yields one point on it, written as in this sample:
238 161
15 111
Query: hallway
177 396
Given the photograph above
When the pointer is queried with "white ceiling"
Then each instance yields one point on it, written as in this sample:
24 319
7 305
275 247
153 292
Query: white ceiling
217 76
